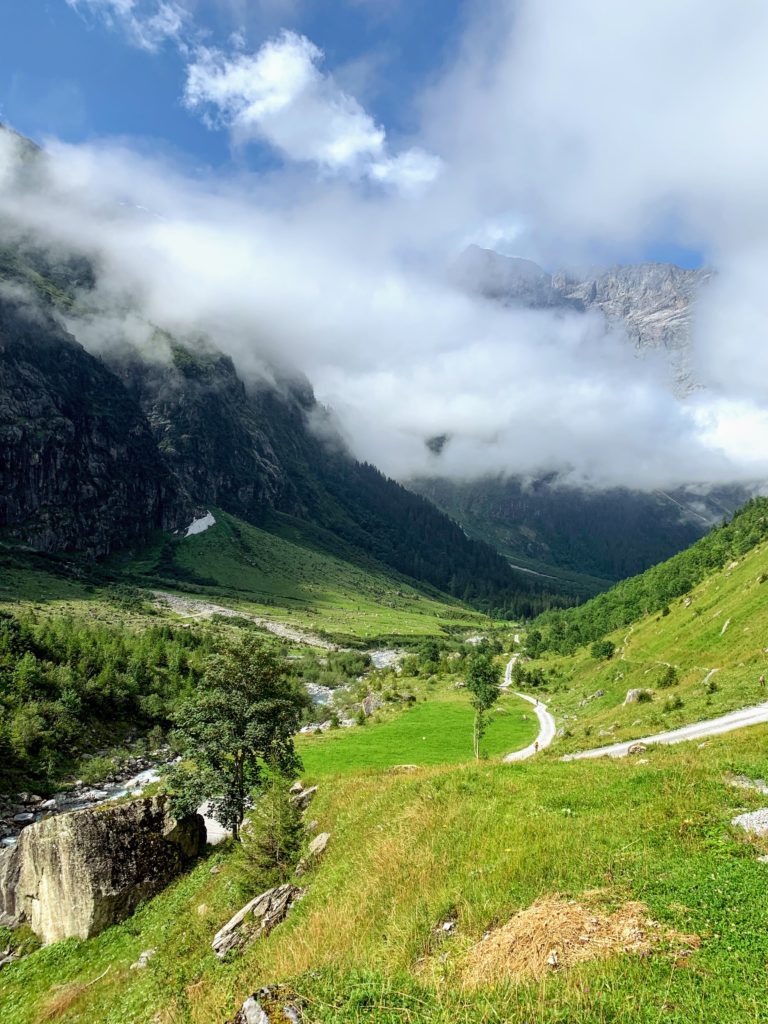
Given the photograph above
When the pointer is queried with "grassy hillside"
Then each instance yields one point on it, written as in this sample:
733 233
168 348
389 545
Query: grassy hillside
652 591
288 577
701 656
473 844
285 576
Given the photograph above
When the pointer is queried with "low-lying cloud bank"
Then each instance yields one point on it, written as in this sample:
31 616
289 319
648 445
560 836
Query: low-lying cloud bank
559 137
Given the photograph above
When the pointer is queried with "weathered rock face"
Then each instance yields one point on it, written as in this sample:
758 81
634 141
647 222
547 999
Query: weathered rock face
79 467
652 302
211 428
256 918
76 874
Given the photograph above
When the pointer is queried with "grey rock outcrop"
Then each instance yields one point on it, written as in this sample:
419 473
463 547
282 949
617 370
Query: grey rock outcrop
638 696
651 302
304 797
315 852
270 1005
371 703
75 874
256 918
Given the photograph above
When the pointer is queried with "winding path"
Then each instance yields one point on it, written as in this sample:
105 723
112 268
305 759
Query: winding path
710 727
546 721
755 715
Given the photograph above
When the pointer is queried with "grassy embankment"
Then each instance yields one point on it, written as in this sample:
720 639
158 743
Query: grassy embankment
720 624
474 843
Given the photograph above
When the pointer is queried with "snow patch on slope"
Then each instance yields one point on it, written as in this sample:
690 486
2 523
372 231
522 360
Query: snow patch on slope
200 525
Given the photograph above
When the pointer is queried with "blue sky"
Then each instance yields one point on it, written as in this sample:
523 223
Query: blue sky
65 72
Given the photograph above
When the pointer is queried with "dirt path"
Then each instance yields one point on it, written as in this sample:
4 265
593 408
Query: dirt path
195 609
546 721
711 727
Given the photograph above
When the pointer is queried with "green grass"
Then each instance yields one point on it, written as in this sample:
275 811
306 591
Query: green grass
722 624
243 567
437 731
477 842
293 581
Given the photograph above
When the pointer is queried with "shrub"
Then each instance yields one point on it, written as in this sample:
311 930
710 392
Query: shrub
668 678
270 840
603 650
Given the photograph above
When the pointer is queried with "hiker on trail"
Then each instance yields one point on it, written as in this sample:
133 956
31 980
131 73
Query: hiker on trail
536 747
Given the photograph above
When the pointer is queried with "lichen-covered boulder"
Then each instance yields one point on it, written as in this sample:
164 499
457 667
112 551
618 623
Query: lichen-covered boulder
75 874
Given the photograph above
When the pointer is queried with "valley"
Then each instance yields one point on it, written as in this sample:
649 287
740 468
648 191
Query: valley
383 515
440 850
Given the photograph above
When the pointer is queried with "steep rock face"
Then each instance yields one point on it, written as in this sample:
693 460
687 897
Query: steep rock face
652 300
78 465
208 427
508 279
76 874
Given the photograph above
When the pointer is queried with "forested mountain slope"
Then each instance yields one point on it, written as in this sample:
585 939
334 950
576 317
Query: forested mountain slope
683 643
103 446
630 600
584 539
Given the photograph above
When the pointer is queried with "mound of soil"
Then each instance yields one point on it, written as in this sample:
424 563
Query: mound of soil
555 933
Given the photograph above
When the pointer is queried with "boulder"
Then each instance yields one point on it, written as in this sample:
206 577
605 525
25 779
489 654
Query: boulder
314 853
143 960
637 748
275 1004
72 875
638 696
256 918
372 702
304 797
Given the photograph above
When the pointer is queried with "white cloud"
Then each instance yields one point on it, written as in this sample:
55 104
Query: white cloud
574 127
321 283
147 23
281 95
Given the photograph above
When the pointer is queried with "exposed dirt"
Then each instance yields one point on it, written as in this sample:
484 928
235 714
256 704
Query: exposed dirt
554 934
197 609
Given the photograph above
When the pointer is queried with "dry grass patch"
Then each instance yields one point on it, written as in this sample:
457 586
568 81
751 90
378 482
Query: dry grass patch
556 933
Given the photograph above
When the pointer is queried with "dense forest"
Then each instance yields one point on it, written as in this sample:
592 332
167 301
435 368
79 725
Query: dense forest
68 685
585 540
564 631
407 532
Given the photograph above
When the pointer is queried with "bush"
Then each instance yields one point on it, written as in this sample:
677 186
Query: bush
603 650
270 840
668 678
673 703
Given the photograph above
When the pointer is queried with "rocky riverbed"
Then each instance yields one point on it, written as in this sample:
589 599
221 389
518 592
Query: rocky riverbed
26 808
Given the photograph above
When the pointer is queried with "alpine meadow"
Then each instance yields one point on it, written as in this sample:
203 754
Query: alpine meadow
383 512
